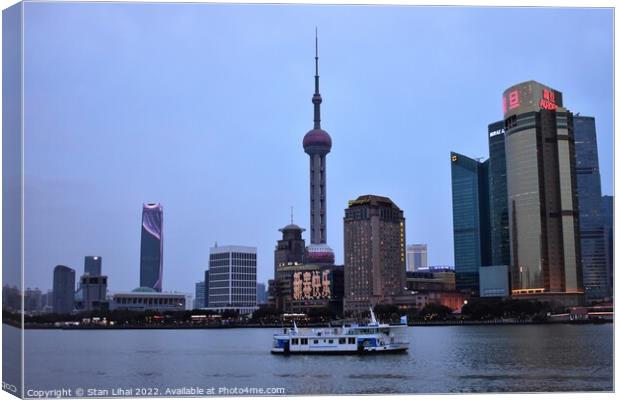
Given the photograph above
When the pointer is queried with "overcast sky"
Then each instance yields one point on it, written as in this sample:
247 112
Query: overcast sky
203 108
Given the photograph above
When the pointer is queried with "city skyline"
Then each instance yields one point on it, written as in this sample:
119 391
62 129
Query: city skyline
241 196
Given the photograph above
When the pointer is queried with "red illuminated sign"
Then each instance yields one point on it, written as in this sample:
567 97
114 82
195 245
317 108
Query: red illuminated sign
548 100
513 99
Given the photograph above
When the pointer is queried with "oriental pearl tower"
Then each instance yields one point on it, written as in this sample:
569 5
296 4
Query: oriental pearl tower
317 144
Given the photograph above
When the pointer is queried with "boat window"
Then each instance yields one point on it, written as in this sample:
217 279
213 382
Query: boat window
295 341
331 341
351 340
304 341
342 341
316 341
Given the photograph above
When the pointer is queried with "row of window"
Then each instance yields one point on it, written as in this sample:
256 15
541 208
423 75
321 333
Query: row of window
304 341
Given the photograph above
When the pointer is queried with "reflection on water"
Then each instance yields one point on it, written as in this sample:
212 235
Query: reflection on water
530 358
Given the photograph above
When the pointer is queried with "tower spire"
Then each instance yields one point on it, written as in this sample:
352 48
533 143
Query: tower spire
316 98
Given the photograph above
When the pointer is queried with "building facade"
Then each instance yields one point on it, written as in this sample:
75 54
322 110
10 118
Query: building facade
206 293
374 251
316 286
152 247
417 257
607 213
92 265
498 196
146 298
494 281
232 278
63 290
542 197
199 295
594 266
470 219
92 292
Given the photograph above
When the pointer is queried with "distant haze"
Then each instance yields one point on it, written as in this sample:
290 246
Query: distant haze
203 108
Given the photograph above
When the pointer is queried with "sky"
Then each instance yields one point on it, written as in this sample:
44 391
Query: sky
203 108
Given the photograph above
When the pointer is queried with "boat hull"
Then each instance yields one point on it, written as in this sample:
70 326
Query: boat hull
340 352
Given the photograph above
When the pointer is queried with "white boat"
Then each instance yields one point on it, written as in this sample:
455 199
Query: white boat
370 338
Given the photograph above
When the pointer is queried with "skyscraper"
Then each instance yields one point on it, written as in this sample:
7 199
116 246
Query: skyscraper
151 247
199 300
63 290
542 196
374 252
92 265
317 144
591 225
498 196
232 278
470 220
607 213
206 294
416 257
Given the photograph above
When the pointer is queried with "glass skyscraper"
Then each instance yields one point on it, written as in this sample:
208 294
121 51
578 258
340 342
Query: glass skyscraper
500 235
470 218
92 265
542 196
151 247
63 290
592 230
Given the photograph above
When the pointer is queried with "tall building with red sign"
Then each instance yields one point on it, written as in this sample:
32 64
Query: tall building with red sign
542 192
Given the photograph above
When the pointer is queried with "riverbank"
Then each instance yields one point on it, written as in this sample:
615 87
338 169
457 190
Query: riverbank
317 325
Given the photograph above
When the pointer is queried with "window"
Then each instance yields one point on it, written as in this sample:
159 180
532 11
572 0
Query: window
304 341
316 341
342 341
351 340
330 341
295 341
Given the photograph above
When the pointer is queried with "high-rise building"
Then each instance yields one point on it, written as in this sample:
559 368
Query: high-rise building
33 300
206 294
498 196
374 251
151 247
542 197
232 278
64 290
199 300
261 293
92 292
92 265
416 257
607 213
591 226
470 219
317 144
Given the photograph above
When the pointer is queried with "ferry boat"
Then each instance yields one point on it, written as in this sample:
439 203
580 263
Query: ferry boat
373 337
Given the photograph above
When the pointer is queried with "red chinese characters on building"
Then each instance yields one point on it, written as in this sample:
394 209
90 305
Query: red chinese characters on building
512 102
548 100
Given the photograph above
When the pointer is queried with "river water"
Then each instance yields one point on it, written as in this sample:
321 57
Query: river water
441 359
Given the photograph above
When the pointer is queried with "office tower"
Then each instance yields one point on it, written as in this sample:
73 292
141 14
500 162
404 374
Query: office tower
199 300
607 213
542 196
416 257
498 196
92 265
591 226
261 293
317 144
290 249
92 292
470 219
232 278
63 290
206 294
151 247
374 251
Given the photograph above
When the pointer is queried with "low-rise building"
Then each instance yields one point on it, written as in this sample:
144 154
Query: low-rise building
145 298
